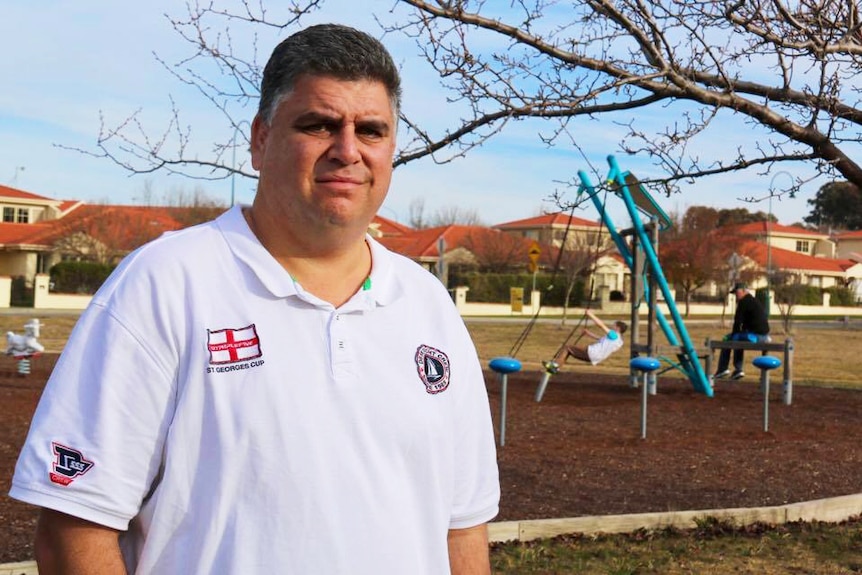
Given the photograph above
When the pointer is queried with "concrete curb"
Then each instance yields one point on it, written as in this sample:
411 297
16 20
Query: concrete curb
832 510
23 568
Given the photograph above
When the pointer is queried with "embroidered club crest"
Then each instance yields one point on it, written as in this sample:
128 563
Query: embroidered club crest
233 345
433 367
68 464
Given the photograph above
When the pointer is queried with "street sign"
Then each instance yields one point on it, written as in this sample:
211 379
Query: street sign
534 253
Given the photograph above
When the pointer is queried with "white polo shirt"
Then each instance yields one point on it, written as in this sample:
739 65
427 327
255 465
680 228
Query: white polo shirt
233 423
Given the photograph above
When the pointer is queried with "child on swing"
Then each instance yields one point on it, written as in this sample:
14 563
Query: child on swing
594 353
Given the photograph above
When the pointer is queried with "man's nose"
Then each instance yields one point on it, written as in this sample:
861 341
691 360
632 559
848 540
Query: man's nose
345 146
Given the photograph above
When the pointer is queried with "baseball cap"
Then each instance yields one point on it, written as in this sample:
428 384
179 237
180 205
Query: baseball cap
738 286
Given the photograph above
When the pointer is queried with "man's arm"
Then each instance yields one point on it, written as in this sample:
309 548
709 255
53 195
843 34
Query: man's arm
71 546
468 551
597 321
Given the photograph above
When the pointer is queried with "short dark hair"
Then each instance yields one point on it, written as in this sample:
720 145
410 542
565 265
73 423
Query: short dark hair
332 50
621 327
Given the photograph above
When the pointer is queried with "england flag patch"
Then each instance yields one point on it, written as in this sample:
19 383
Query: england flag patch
233 345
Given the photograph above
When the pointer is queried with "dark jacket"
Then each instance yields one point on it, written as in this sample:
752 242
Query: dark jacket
750 317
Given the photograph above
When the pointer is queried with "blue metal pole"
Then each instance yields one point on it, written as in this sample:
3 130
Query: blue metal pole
700 381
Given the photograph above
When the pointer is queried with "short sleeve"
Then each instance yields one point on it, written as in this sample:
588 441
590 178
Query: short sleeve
95 443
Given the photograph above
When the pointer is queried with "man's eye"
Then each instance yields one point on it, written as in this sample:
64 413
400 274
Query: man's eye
370 133
316 129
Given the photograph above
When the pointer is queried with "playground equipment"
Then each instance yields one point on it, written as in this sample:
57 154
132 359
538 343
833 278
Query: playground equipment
646 366
24 347
504 366
765 363
543 385
647 275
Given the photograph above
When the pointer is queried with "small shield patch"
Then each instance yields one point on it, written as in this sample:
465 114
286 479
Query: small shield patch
433 367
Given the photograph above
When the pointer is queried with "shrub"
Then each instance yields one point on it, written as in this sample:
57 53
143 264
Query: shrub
841 296
79 277
796 294
494 287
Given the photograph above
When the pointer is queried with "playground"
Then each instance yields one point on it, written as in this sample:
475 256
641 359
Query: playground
582 450
579 452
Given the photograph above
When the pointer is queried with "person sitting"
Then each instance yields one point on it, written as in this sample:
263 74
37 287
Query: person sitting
750 324
594 353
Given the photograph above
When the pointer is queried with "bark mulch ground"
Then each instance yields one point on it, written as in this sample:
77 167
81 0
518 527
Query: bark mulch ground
579 451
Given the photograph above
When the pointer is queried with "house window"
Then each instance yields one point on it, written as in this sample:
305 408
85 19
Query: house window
8 214
802 246
23 215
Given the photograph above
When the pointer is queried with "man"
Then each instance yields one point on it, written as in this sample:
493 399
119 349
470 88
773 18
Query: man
595 353
749 324
273 392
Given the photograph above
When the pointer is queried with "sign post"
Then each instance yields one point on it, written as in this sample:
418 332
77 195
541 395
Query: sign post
533 265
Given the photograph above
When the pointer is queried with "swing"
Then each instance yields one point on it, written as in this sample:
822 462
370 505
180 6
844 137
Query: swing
551 367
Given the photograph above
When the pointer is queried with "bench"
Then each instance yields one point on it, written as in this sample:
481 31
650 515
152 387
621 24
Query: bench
786 347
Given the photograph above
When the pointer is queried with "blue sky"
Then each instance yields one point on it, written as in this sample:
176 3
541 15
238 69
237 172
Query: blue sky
66 63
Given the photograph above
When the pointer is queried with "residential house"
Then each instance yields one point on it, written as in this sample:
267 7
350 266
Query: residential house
849 245
436 249
553 229
580 236
38 232
808 256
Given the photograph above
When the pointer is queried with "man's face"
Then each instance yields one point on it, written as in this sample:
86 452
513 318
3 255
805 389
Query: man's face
325 159
739 294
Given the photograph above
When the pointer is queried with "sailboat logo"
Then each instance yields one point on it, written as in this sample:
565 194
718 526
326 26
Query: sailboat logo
433 368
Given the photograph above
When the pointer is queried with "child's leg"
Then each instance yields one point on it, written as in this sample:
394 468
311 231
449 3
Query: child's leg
579 353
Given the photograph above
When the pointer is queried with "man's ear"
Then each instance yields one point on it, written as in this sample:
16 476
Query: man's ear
259 135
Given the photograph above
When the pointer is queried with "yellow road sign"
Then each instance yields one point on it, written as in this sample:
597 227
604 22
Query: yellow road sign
534 253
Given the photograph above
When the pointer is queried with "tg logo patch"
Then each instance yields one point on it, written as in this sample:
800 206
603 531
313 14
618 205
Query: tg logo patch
68 464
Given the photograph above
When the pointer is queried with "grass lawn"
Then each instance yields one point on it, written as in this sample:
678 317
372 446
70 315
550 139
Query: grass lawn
822 356
713 548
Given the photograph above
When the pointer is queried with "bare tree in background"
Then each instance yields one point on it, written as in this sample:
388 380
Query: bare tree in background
695 251
445 216
578 260
789 70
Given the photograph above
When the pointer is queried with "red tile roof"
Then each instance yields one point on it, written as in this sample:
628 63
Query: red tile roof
422 244
558 219
782 259
757 228
7 192
388 227
123 228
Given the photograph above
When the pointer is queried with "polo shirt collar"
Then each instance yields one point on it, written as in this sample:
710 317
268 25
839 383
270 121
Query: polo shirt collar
385 287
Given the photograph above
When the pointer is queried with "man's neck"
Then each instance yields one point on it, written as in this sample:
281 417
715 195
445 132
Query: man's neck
333 266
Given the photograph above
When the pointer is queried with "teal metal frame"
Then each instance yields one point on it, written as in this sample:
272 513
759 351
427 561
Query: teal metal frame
639 201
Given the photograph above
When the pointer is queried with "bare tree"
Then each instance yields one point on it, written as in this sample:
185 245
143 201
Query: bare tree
416 218
787 69
496 251
455 215
576 260
695 251
445 216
